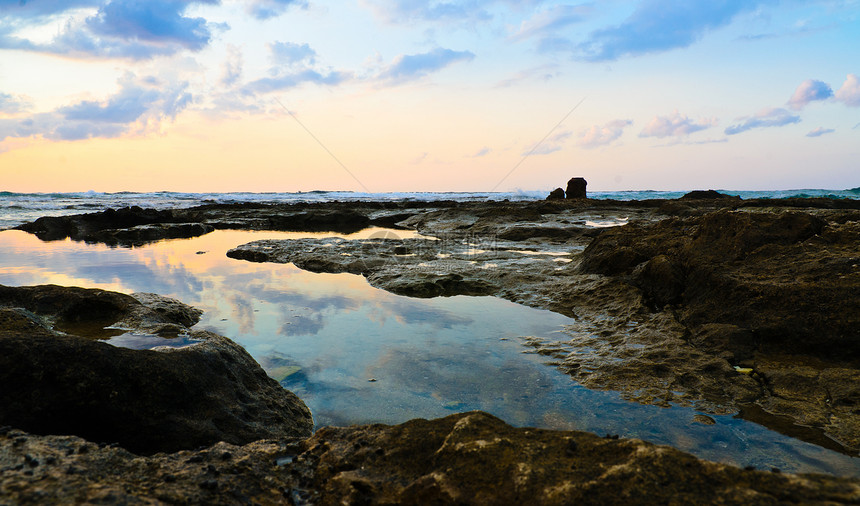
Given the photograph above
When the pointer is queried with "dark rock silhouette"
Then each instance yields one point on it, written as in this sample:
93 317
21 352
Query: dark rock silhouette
707 194
558 193
576 188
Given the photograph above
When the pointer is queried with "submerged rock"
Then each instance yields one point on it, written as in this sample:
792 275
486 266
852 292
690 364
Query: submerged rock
469 458
56 379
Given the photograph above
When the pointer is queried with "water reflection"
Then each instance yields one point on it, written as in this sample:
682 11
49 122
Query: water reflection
326 336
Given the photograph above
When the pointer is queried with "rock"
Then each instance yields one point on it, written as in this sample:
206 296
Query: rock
468 458
758 287
127 226
324 221
558 193
707 194
148 401
475 458
576 188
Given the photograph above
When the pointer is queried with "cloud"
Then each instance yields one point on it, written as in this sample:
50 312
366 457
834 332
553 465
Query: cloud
396 11
291 80
849 93
10 104
408 67
539 73
481 152
287 53
231 68
661 25
766 118
293 66
152 21
599 135
550 20
40 9
818 132
134 29
809 91
549 145
139 102
266 9
675 125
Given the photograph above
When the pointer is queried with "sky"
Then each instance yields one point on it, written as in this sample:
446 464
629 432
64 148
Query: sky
407 95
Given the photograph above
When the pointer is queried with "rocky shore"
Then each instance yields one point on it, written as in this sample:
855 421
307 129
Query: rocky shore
724 304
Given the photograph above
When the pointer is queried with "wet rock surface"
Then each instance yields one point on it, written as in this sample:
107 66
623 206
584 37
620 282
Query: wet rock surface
57 379
672 305
127 226
469 458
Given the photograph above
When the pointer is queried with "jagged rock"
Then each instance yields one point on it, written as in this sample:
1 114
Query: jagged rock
469 458
576 188
556 194
165 399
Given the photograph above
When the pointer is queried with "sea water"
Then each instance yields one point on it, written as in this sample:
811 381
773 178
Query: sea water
356 354
18 208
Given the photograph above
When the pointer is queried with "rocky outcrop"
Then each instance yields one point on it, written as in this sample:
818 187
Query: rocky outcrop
707 195
576 188
57 379
773 293
469 458
556 194
127 226
331 221
786 277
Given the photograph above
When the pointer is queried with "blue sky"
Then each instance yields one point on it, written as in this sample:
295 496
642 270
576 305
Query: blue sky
387 95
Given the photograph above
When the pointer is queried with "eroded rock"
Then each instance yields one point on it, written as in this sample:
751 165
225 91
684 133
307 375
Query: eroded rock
469 458
54 381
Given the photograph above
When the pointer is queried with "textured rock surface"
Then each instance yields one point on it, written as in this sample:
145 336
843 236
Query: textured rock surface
53 381
772 292
470 458
666 309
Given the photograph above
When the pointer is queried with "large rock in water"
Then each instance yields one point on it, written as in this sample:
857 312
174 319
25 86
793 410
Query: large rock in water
468 458
126 226
148 401
576 188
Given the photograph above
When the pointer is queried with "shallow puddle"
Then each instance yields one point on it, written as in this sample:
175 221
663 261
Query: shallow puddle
357 354
137 341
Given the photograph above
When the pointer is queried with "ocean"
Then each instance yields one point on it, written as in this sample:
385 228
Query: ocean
18 208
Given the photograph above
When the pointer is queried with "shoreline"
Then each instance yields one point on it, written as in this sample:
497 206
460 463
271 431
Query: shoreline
672 348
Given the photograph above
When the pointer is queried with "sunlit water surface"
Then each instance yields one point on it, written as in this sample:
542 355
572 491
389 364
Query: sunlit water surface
357 354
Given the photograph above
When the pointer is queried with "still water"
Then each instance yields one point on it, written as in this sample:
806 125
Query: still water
357 354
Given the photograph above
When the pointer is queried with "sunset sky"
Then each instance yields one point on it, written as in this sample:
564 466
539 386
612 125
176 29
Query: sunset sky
405 95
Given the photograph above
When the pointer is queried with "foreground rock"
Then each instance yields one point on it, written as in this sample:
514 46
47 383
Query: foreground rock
470 458
55 378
